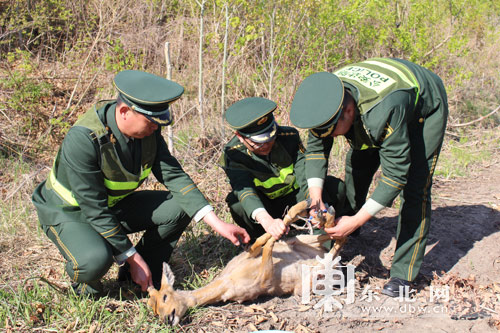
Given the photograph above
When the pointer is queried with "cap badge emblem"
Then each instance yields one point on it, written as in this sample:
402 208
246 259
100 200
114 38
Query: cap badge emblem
262 120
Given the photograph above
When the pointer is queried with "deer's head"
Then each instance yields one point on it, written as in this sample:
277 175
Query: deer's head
167 303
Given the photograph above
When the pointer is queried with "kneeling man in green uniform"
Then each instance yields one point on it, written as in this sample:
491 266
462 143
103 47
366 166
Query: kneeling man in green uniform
393 113
87 206
265 166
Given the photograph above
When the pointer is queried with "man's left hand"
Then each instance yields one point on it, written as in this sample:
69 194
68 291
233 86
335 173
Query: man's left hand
227 230
234 233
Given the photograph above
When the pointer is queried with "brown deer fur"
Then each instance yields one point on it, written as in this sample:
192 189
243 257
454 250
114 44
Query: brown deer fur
268 268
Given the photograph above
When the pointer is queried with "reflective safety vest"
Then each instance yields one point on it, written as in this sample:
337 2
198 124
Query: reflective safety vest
375 79
118 181
275 187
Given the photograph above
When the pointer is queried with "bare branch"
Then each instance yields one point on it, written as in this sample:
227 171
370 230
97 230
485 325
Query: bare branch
477 120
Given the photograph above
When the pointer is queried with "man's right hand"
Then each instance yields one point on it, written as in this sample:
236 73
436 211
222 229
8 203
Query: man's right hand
275 227
140 272
316 193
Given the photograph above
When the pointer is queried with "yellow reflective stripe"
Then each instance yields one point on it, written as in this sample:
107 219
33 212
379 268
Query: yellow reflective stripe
275 180
113 199
68 196
395 70
410 79
62 191
114 185
269 183
282 191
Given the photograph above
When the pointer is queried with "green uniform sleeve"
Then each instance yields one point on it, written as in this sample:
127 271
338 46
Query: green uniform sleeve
394 150
316 156
79 167
169 172
299 168
241 181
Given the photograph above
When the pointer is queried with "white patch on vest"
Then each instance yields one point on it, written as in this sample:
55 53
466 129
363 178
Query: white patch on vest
367 77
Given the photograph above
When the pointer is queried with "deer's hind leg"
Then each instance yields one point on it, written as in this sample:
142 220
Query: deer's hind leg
266 269
292 216
257 245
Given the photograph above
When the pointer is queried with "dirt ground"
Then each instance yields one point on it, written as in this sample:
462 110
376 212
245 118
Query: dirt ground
457 290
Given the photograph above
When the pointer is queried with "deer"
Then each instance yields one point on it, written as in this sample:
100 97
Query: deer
269 267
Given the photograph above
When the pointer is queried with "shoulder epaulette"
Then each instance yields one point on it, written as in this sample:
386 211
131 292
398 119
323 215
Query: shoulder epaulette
287 131
238 146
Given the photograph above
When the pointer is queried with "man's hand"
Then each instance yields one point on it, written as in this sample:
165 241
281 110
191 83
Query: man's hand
346 225
316 193
275 227
234 233
227 230
140 272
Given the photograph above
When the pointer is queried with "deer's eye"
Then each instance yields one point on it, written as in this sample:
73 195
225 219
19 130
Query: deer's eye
164 298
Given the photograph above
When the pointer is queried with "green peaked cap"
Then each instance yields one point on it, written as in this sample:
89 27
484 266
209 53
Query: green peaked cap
148 94
318 101
251 116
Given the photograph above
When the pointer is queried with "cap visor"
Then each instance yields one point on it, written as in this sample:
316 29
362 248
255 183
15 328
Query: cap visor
264 137
163 120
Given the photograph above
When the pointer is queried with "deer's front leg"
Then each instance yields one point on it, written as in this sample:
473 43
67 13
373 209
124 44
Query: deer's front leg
335 250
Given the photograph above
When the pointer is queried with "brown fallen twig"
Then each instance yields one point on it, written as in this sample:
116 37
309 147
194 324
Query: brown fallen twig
475 121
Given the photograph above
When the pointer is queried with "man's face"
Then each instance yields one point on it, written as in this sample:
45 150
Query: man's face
346 119
137 125
262 149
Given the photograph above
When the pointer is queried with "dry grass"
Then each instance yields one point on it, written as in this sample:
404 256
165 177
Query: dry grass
81 74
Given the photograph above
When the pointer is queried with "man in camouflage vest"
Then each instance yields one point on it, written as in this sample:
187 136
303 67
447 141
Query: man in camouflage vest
88 205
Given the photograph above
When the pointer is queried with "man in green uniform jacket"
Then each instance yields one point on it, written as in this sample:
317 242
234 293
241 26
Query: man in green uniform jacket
393 113
87 206
265 166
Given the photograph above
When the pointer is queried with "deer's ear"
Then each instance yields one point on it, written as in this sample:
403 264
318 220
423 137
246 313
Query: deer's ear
168 277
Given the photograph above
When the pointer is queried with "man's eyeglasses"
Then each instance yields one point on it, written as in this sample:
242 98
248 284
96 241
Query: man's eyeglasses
253 144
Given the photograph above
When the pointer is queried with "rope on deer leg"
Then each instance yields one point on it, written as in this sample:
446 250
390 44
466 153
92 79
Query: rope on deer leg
308 224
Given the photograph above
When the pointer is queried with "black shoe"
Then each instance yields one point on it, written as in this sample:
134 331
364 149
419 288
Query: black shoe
93 289
392 288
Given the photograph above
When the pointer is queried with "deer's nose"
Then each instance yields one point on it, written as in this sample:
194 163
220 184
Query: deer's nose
171 318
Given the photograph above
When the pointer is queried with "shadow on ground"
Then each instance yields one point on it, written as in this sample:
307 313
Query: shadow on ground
455 231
